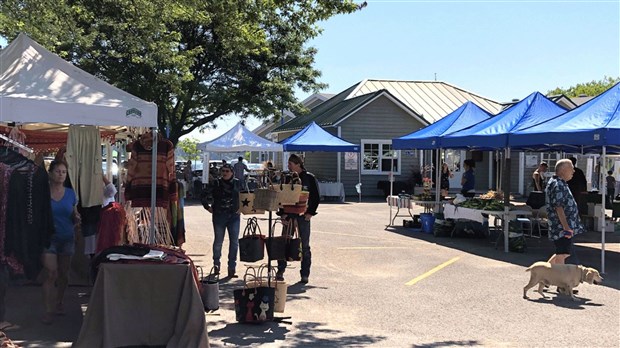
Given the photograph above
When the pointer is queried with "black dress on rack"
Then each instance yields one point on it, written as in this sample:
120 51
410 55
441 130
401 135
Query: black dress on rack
29 224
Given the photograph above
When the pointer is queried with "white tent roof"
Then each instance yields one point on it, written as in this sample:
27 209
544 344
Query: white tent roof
238 139
37 86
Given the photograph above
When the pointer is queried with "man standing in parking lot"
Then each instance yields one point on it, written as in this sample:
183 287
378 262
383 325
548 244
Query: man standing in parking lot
188 177
239 169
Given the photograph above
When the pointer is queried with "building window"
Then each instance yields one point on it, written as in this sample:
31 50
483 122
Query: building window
378 157
551 158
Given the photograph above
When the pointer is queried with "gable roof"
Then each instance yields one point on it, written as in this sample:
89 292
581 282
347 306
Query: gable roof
310 102
338 108
432 100
427 100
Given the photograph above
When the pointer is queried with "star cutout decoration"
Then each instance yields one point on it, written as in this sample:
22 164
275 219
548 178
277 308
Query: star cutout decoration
246 202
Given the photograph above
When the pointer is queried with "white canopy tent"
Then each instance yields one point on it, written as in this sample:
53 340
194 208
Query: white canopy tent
42 91
37 86
237 139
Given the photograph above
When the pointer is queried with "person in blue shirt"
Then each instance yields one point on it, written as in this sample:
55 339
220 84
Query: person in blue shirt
468 181
57 258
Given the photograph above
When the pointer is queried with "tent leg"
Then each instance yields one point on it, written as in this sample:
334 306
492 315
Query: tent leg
603 184
506 189
153 186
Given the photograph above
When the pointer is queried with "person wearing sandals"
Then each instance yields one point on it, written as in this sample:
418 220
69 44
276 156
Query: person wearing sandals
57 258
221 199
309 183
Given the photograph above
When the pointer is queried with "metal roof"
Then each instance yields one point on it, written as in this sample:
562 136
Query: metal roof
329 112
430 99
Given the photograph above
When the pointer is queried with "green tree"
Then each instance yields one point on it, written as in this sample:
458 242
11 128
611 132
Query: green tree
197 60
190 148
590 89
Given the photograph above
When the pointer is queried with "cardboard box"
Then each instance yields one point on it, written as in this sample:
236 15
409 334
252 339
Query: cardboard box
609 226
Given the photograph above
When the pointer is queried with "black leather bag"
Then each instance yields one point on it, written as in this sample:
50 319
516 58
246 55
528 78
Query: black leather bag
293 242
252 244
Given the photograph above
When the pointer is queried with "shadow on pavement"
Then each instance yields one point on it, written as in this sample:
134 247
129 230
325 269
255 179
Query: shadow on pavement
25 308
538 249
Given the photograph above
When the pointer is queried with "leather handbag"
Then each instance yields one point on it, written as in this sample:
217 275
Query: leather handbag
209 289
276 246
299 207
288 193
293 242
266 277
253 304
252 243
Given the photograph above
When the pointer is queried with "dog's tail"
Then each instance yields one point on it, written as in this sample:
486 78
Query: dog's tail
528 269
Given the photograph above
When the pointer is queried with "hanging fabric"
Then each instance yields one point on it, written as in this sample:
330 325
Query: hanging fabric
83 157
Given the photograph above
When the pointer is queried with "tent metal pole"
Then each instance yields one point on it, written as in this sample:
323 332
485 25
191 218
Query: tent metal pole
391 179
339 159
153 186
438 169
506 190
603 185
359 177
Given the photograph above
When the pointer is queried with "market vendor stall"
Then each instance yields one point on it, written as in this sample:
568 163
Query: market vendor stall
452 211
144 305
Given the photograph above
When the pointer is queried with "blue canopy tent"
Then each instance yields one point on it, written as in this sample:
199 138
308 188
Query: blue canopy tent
592 126
585 129
492 134
315 138
430 137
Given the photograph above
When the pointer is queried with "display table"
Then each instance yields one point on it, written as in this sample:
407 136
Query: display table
398 202
144 305
429 205
451 211
332 189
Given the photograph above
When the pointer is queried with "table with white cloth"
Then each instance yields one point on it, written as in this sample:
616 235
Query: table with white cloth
332 189
144 305
451 211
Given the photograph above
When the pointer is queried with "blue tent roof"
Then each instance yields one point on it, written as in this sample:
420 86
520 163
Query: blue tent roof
315 138
591 125
493 133
430 136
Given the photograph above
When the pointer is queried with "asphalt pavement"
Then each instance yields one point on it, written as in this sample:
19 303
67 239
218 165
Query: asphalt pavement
379 286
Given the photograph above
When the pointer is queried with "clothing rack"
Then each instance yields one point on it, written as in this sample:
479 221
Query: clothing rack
13 142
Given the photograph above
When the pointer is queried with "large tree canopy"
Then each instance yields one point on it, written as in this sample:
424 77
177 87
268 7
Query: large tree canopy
197 60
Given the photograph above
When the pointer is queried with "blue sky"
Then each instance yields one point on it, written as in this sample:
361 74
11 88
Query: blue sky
498 49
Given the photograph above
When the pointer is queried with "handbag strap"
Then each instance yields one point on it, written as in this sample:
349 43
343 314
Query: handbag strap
213 275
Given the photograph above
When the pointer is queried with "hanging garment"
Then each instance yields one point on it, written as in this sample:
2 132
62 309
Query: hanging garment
29 221
138 187
83 158
112 222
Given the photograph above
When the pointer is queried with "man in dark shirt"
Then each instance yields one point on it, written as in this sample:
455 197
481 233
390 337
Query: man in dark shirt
577 185
221 199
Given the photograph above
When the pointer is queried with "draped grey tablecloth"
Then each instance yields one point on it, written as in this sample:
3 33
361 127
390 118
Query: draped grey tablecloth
144 305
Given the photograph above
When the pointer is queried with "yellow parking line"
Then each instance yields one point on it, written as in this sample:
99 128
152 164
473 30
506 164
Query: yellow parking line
418 278
371 248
